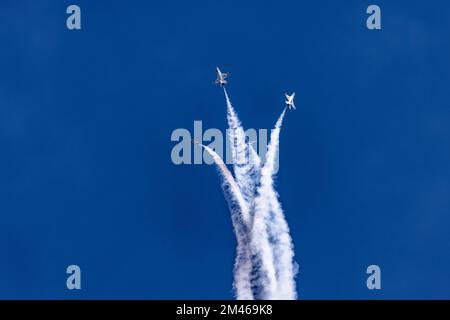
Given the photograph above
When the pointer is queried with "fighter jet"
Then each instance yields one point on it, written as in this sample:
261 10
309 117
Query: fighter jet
290 100
221 78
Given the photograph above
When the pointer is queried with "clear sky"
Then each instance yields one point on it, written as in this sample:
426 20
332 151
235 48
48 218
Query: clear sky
86 116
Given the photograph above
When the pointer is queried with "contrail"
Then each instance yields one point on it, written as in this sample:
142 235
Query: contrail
239 214
261 220
230 182
254 170
283 251
246 170
242 167
277 226
264 266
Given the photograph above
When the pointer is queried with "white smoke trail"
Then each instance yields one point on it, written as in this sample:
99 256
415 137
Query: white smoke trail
254 158
254 170
283 250
242 167
265 278
261 220
247 172
278 229
264 266
239 217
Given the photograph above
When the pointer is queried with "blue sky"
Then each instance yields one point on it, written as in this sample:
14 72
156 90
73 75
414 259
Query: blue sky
86 117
